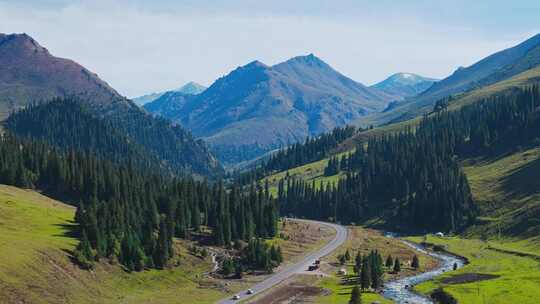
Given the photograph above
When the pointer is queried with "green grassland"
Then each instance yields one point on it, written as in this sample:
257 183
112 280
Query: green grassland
364 240
507 191
342 293
35 245
517 281
312 172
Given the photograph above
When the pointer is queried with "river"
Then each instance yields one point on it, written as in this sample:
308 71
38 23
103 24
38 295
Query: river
398 291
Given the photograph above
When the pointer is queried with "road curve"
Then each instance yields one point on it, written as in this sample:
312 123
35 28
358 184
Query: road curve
276 278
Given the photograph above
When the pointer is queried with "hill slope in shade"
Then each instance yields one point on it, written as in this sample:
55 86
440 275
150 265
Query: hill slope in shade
190 88
403 85
257 108
492 69
30 74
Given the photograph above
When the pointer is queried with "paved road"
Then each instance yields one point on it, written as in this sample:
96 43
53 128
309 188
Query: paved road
301 266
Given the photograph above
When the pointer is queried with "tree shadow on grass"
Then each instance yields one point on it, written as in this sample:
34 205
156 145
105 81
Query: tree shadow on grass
523 181
71 230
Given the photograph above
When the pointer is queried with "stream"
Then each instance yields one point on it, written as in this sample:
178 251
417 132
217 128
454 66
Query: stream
398 291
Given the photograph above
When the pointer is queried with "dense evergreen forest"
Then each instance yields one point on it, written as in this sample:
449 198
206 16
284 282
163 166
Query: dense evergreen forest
71 123
313 149
132 216
413 179
66 124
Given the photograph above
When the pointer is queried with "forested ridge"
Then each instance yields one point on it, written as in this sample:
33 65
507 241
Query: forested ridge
66 124
313 149
129 215
413 179
70 123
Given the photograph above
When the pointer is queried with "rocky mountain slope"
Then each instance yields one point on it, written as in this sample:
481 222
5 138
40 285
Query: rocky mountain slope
257 108
190 88
30 74
492 69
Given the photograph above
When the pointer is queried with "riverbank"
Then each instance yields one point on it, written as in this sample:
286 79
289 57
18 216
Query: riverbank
335 287
494 274
402 290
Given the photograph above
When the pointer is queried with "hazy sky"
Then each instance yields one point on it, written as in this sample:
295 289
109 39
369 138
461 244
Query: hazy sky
145 46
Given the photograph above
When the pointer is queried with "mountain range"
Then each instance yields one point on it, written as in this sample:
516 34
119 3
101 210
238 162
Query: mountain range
30 74
403 85
190 88
492 69
254 109
257 108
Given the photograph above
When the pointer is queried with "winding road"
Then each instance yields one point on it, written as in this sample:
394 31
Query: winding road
301 266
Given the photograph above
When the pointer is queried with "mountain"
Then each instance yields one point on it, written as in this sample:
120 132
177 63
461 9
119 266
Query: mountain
168 104
30 74
190 88
257 108
492 69
403 85
144 99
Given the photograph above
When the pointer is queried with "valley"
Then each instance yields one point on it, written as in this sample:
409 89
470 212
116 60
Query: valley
37 267
397 165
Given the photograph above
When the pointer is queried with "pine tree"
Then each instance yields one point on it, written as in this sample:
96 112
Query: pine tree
365 275
342 259
389 261
356 296
358 263
83 253
415 262
347 255
397 266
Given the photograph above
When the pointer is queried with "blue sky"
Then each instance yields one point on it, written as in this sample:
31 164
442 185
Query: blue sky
143 46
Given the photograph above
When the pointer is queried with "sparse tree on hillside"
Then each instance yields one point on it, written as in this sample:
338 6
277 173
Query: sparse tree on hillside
347 255
397 266
356 296
415 262
389 261
365 275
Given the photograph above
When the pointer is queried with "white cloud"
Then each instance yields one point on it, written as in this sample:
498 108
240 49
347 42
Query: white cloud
138 50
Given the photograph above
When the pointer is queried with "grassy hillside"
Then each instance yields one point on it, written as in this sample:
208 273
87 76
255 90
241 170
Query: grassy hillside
522 80
491 277
507 190
312 172
35 242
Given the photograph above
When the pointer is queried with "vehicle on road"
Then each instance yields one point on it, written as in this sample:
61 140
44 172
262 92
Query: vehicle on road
236 297
249 291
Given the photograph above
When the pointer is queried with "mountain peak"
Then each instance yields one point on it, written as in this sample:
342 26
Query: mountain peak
409 78
191 88
404 84
21 43
309 59
255 64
